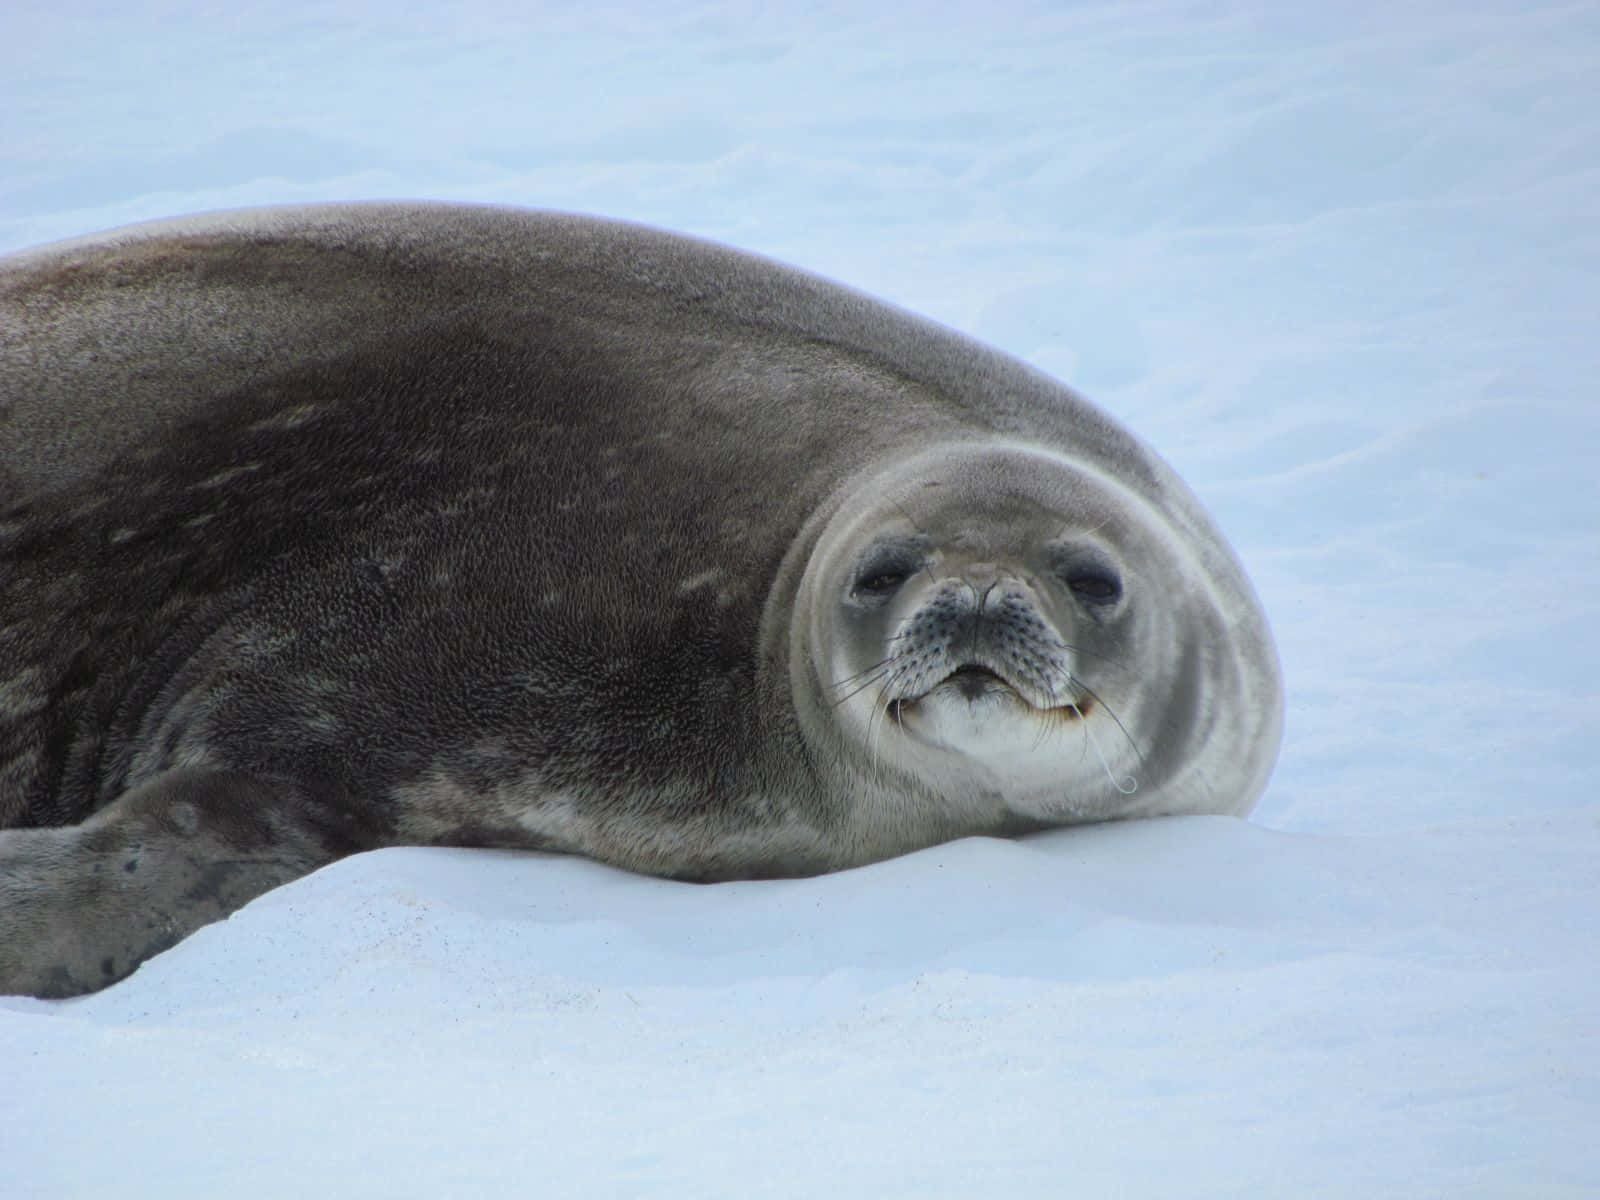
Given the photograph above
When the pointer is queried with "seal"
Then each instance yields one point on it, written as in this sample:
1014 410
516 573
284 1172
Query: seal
333 528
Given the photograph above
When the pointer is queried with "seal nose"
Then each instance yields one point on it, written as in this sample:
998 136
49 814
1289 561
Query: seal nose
981 578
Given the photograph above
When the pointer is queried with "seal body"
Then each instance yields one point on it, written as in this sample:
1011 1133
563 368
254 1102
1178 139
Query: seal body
334 528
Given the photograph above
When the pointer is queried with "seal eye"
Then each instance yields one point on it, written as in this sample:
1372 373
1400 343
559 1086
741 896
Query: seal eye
1095 587
880 572
880 583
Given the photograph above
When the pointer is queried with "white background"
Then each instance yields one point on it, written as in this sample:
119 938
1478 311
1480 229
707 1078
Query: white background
1337 262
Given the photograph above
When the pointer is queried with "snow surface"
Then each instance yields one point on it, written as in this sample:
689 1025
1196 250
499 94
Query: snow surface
1337 261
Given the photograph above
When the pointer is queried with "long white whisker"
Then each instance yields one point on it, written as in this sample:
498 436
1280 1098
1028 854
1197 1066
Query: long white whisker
1126 786
1109 711
873 675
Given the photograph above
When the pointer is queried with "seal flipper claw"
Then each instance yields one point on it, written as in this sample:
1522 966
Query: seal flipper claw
81 906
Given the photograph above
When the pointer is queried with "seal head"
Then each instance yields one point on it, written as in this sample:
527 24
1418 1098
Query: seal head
1003 628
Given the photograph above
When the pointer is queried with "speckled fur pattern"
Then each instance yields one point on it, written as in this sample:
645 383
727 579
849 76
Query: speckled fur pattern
334 528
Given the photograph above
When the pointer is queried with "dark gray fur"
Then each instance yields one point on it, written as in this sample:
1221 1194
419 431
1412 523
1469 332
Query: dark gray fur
329 529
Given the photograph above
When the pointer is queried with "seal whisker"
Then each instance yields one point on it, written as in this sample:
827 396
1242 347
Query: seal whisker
1058 644
884 661
1126 786
1083 687
877 673
875 667
875 725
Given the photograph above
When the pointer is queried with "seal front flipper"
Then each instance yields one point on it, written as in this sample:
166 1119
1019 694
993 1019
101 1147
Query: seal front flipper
82 905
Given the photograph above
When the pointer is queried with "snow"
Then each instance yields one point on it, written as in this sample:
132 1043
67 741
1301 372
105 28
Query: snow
1338 263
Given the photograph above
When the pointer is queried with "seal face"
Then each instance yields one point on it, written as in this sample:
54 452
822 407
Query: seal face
996 623
334 528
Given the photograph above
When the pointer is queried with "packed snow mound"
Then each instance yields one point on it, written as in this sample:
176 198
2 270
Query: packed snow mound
1015 1010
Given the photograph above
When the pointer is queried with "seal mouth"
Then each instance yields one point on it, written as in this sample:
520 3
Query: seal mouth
975 681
